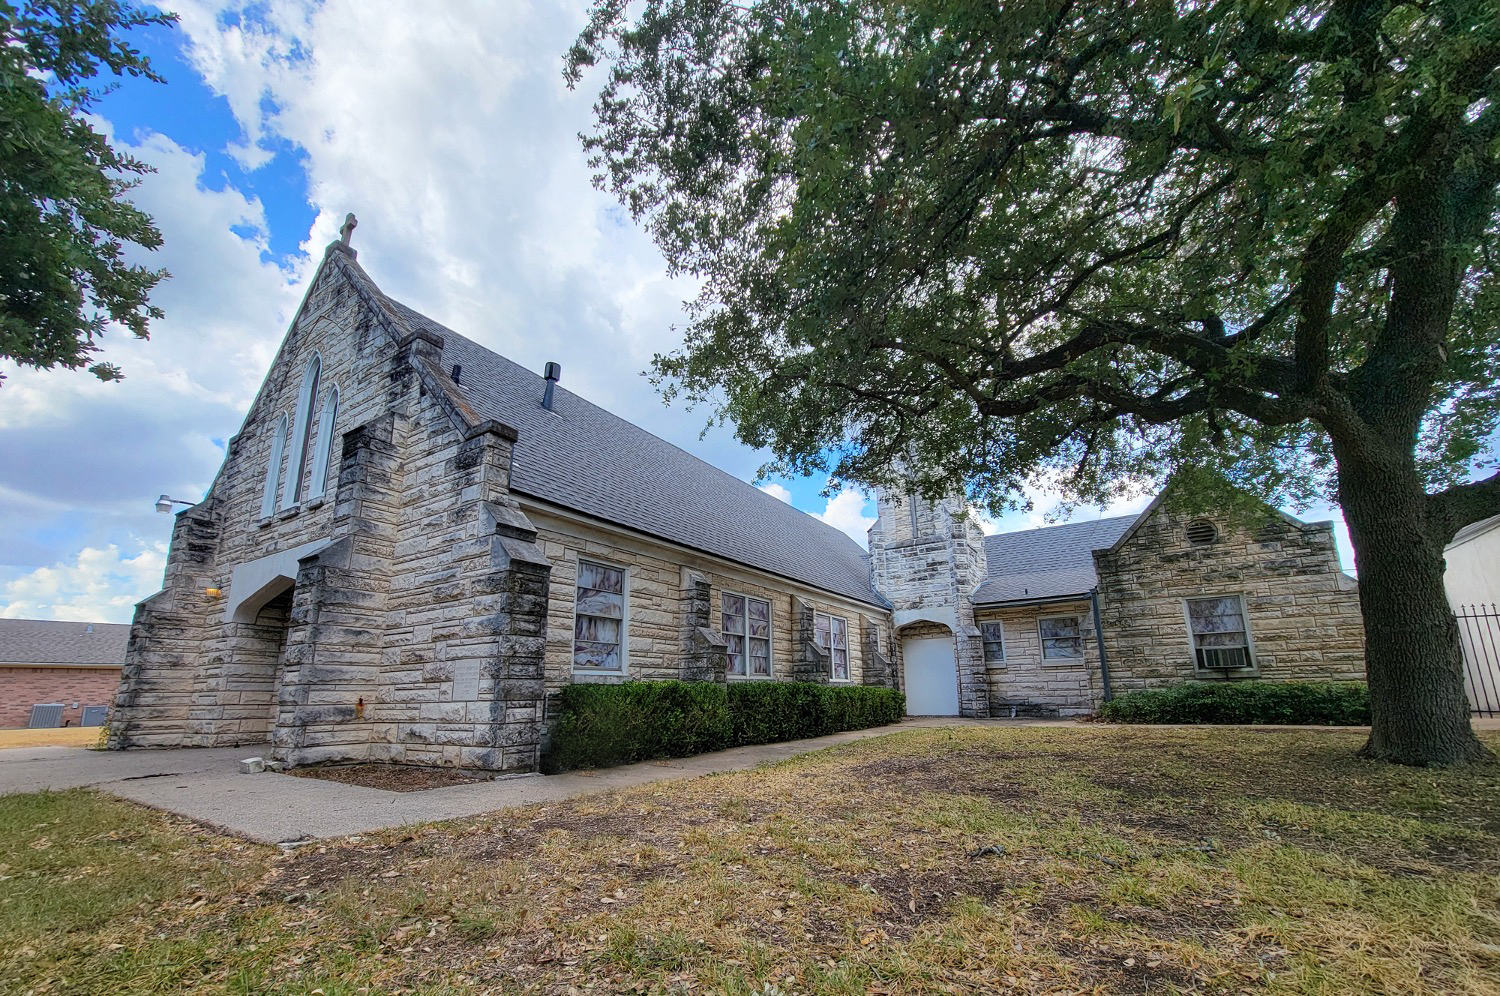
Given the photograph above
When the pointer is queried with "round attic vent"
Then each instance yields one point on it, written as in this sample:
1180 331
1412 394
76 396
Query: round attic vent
1201 532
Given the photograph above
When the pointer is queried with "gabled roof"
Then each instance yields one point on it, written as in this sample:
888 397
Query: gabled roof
583 458
1047 563
1473 530
71 644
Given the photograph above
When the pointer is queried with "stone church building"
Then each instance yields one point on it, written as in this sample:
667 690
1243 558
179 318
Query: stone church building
413 540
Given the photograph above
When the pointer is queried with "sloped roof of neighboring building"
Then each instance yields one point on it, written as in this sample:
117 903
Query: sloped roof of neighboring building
583 458
1473 530
74 644
1050 562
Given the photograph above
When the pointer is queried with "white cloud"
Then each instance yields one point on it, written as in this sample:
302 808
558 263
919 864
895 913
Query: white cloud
98 585
846 512
776 491
85 459
449 131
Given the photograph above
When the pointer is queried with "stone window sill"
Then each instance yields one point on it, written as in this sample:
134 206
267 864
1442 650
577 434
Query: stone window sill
585 677
267 520
289 513
1069 663
751 677
1215 674
314 503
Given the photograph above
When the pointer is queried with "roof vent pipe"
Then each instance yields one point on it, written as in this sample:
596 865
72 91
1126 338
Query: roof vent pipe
457 373
553 374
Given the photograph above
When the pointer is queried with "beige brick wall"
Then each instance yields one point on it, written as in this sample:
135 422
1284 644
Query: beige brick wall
1302 611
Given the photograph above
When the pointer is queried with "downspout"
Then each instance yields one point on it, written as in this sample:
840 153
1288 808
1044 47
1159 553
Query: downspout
1099 641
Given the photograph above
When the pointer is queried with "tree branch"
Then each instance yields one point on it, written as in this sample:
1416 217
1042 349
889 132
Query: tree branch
1449 511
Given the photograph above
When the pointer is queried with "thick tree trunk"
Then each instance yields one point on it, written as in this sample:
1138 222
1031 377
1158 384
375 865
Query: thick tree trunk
1412 655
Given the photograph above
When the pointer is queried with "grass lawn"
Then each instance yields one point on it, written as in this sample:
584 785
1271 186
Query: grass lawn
971 860
63 736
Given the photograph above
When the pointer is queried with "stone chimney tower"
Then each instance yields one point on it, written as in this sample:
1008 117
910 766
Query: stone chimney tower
927 557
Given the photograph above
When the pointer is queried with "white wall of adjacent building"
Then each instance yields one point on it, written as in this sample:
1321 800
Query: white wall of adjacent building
1473 574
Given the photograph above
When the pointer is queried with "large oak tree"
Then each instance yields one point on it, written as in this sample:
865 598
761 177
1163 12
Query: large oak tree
1096 243
64 215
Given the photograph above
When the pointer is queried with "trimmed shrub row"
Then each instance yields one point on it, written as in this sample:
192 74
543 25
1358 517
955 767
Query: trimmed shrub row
1311 703
602 725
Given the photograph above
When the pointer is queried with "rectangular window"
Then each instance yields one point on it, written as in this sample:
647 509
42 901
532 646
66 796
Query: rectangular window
1062 637
994 642
1220 637
747 628
599 618
831 633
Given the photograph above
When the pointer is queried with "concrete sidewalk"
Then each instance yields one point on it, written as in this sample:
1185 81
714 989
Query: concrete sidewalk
205 785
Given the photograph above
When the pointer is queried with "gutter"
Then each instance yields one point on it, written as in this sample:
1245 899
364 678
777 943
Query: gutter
1099 640
1029 602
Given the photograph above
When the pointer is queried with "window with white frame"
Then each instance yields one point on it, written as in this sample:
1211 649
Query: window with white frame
273 469
746 625
1221 638
302 432
326 419
831 634
993 635
1062 637
599 618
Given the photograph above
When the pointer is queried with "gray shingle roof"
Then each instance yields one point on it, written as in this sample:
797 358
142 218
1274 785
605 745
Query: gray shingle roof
583 458
1050 562
42 641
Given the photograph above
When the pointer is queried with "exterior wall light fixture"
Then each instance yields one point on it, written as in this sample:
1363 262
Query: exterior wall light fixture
164 504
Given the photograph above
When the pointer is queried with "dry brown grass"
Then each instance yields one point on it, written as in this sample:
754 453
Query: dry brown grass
969 860
63 736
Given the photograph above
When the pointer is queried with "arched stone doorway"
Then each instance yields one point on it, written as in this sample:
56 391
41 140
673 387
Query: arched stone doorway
931 667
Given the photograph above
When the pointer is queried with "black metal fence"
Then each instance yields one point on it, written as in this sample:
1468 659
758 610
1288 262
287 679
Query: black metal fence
1479 630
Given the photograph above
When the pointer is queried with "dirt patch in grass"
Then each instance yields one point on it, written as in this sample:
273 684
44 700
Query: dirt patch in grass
390 777
978 860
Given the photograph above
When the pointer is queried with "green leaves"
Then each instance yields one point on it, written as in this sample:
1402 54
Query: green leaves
1080 244
64 215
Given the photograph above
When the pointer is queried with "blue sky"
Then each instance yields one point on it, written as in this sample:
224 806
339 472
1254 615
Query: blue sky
448 130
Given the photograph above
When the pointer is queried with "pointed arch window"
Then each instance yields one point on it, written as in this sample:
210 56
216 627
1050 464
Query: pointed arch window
326 419
273 469
302 433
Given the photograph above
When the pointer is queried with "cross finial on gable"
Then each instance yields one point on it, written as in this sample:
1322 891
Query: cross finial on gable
347 229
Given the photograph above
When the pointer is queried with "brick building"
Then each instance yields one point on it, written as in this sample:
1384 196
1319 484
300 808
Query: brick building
74 665
413 541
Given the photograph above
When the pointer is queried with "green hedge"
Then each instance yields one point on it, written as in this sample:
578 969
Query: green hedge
1320 703
602 725
768 712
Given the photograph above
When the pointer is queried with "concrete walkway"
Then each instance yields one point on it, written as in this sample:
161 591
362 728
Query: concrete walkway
205 785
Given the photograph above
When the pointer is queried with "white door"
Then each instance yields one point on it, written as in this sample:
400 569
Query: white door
931 677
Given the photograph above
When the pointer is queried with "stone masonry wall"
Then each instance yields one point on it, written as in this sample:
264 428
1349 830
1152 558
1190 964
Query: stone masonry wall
1302 610
927 557
319 673
1027 685
661 613
461 676
154 702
